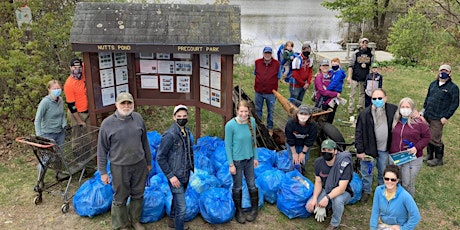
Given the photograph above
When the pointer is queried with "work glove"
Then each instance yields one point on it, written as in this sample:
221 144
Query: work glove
320 214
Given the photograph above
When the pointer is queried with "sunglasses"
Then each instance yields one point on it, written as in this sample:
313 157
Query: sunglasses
377 98
392 179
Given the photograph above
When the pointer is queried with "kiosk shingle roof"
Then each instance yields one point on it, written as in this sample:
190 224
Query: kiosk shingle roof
156 24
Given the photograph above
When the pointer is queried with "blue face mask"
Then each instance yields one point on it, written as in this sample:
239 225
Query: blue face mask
56 92
443 75
378 103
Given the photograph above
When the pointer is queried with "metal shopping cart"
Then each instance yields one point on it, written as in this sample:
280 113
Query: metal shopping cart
68 159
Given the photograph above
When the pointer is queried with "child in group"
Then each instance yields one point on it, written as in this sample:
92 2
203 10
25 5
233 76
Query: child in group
337 77
374 80
288 56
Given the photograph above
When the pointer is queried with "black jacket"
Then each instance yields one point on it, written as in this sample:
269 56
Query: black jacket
365 141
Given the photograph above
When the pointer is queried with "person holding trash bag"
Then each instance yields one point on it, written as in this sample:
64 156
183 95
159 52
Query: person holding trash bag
300 134
123 140
240 147
175 157
333 173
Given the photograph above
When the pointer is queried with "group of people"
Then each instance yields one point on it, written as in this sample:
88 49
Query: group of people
382 128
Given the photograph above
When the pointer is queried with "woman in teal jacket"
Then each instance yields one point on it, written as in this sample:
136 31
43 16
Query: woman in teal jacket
393 207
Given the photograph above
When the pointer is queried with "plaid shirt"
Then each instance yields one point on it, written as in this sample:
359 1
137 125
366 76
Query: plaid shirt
441 101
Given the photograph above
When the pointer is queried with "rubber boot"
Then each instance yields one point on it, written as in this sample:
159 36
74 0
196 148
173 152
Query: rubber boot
239 217
439 154
254 194
135 211
119 217
429 152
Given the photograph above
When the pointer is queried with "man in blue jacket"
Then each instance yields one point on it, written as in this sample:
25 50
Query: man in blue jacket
175 157
440 104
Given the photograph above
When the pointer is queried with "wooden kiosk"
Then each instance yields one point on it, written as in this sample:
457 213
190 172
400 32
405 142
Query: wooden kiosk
163 54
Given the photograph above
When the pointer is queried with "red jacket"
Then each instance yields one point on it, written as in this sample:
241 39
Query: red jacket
266 76
418 134
302 74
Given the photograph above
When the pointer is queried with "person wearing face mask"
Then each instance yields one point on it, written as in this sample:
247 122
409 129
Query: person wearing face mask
266 80
175 158
373 139
242 157
410 134
123 140
300 135
440 104
76 99
358 68
333 173
323 95
50 121
336 85
374 80
302 73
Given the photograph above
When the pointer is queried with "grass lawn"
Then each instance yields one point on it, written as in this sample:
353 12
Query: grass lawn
438 189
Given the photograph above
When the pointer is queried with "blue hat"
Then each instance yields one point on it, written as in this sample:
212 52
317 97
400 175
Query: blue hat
268 49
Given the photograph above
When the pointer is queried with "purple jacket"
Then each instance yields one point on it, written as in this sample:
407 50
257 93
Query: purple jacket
320 84
418 134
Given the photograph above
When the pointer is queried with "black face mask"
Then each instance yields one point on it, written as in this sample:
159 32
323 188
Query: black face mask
335 67
306 53
327 156
182 122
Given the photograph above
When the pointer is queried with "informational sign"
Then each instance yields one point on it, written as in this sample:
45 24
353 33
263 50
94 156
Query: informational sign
105 60
204 77
215 62
120 59
148 66
183 67
108 96
149 82
205 95
215 80
215 98
106 76
182 56
166 83
121 75
166 67
204 61
183 84
122 89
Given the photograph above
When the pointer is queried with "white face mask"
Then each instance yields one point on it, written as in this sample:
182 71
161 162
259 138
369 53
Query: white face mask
405 112
303 118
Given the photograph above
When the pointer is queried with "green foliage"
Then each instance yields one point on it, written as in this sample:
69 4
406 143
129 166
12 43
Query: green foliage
409 36
353 11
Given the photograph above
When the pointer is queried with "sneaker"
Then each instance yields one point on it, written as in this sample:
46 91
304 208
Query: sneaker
365 197
330 227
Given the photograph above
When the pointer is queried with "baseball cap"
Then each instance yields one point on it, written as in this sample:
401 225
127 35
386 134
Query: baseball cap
268 49
446 67
375 65
179 107
328 144
305 46
363 39
324 62
75 62
125 97
305 109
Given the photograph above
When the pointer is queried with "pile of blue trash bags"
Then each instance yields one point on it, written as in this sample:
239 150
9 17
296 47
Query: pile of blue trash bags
209 190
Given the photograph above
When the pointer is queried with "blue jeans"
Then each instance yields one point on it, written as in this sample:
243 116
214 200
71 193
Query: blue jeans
178 205
297 93
382 162
338 206
246 167
298 149
270 102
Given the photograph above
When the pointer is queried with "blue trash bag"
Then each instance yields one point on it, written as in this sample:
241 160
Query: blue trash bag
246 201
208 144
154 139
283 162
224 176
269 182
294 193
202 181
202 162
192 204
219 157
266 156
153 208
261 168
160 182
216 206
93 198
356 185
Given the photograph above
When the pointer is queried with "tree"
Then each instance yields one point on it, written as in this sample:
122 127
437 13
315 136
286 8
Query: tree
408 35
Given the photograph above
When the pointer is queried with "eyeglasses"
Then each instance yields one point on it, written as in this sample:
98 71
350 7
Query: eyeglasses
388 179
377 98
